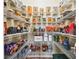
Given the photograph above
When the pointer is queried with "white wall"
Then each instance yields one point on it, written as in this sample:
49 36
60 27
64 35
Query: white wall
41 3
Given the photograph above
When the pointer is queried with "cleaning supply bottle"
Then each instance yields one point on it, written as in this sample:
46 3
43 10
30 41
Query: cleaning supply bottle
66 43
61 39
5 28
56 38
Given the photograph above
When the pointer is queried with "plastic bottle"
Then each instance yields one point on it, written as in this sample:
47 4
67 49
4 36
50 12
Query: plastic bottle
66 43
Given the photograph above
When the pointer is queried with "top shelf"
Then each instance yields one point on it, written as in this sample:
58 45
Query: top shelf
15 34
65 34
13 16
59 33
70 14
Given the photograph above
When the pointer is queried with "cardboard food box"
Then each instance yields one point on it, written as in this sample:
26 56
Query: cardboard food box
48 10
38 38
29 10
41 11
35 10
45 37
50 37
50 20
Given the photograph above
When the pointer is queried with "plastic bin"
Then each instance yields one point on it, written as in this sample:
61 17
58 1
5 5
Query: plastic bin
60 56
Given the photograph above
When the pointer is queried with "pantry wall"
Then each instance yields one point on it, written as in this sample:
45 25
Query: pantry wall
39 29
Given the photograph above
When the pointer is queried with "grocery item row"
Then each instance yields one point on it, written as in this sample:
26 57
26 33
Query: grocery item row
61 27
13 30
39 20
13 47
29 10
36 19
67 42
19 55
71 28
41 47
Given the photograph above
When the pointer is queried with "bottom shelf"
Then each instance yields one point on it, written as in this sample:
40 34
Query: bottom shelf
68 53
60 56
54 56
38 58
